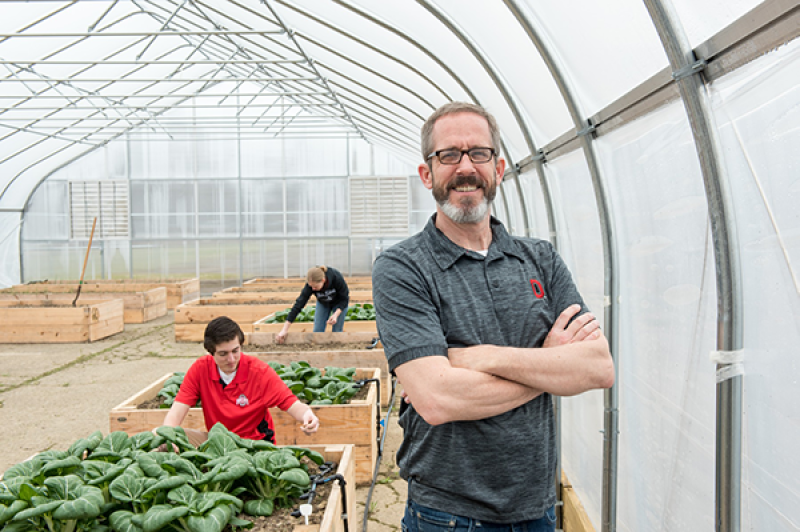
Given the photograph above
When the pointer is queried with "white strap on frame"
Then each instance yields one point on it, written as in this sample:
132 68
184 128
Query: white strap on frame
734 364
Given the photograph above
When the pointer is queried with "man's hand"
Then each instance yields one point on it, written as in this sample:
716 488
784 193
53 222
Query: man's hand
310 422
281 337
584 327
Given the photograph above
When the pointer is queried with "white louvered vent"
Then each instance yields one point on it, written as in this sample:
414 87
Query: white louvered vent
108 200
379 206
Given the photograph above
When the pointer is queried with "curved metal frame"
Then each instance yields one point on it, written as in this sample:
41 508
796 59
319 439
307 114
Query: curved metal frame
611 283
688 75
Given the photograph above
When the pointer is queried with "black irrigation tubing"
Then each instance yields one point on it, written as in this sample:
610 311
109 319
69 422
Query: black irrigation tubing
382 439
342 486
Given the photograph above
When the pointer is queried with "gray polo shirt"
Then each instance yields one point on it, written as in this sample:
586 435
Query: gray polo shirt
431 294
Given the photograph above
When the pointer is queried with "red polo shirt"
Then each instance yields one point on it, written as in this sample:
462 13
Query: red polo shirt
243 403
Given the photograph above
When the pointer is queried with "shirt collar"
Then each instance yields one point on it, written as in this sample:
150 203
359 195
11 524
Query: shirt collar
446 252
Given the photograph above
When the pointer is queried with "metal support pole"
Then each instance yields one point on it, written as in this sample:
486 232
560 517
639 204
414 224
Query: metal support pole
611 284
687 72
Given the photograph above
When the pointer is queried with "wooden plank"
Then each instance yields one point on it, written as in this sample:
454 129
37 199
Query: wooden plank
574 514
205 310
178 292
36 334
354 423
194 332
327 339
107 319
267 297
307 327
50 323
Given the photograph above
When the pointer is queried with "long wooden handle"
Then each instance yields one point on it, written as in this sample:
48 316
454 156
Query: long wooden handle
88 249
85 260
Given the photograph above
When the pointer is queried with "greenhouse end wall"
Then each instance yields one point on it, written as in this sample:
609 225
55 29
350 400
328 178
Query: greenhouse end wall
221 227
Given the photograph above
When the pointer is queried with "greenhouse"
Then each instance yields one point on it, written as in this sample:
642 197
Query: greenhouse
649 142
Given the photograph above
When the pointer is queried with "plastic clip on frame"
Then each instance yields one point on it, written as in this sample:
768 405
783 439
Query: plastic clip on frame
731 364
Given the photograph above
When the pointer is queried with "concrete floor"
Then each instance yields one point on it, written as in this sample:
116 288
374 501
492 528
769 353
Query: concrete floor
53 394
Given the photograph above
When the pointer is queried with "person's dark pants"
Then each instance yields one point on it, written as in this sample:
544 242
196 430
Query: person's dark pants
422 519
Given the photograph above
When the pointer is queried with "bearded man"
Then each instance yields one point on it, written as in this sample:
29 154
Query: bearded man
481 329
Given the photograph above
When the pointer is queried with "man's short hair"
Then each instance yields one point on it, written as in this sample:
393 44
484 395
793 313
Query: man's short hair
451 109
220 330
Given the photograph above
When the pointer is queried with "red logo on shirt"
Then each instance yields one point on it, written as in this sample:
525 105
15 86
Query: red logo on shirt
242 401
538 291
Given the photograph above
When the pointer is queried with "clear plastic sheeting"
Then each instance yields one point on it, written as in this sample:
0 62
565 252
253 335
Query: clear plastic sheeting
9 247
667 315
604 48
757 112
267 209
581 247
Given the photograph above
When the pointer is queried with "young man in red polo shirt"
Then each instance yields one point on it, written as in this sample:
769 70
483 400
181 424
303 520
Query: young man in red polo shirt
235 389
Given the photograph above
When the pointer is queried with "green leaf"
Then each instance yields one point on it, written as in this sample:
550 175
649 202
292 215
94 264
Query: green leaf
297 477
160 515
182 494
256 507
116 442
213 521
86 506
8 512
127 488
36 511
123 521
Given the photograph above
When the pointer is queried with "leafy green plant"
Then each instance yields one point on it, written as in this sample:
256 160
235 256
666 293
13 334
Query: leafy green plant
334 386
357 312
116 484
169 390
305 315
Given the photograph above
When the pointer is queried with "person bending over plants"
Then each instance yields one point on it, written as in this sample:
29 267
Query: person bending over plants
235 389
333 296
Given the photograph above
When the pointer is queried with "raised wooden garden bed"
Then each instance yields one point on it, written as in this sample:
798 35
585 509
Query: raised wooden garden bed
575 518
139 307
333 516
354 423
355 283
177 291
259 326
287 298
192 318
46 322
334 512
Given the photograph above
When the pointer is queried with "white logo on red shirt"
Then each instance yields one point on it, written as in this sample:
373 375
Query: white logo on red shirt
242 401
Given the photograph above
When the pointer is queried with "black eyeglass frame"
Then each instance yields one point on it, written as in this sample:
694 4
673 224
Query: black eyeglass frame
461 155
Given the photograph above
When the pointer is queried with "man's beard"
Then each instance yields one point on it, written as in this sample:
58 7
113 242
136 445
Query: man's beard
467 211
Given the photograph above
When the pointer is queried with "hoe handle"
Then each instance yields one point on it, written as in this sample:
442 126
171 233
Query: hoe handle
85 260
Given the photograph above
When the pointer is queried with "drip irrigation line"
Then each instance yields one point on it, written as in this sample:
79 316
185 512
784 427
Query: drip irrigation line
385 425
318 481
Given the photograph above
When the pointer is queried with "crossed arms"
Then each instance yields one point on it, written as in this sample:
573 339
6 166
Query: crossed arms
486 380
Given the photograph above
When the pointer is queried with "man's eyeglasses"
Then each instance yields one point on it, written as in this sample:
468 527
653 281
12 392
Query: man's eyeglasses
451 156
